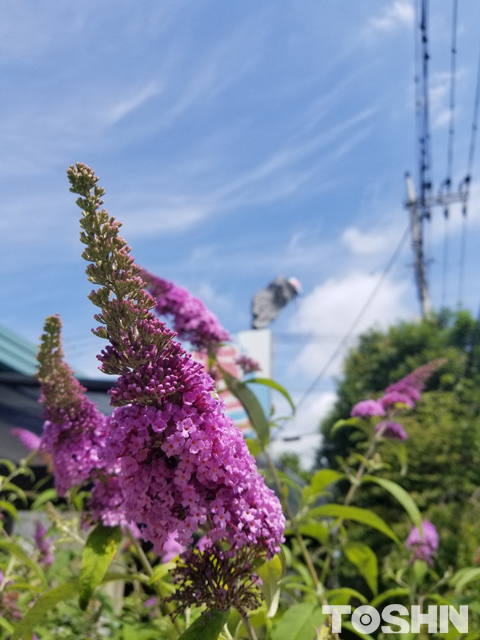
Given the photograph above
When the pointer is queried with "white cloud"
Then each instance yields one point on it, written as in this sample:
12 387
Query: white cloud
331 308
399 13
364 243
305 426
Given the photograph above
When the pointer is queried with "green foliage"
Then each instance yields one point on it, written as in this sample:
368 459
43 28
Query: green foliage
207 627
101 546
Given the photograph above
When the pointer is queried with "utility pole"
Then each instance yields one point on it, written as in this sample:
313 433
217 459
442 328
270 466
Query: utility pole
420 206
416 224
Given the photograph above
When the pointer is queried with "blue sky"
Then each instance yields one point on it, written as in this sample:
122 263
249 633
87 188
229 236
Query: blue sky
236 141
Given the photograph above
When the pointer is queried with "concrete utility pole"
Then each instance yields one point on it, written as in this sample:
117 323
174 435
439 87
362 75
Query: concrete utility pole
416 224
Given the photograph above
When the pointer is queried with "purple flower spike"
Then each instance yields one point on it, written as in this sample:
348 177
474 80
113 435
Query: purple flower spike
183 465
192 320
367 409
423 547
29 440
392 398
413 384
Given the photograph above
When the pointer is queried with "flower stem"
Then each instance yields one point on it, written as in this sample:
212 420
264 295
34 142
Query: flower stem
248 625
149 571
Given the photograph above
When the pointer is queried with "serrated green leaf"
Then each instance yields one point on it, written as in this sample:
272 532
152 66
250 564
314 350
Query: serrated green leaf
268 382
404 498
17 551
207 627
300 622
271 573
364 516
99 550
42 605
365 561
251 405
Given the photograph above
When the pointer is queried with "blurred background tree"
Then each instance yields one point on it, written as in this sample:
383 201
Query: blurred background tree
439 464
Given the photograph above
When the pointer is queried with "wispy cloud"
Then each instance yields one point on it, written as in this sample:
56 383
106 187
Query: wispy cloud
399 13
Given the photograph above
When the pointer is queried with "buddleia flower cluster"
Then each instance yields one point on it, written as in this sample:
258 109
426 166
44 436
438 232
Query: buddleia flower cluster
192 320
403 394
184 466
423 545
74 433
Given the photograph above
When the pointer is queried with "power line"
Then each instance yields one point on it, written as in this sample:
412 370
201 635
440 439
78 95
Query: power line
466 184
362 312
450 147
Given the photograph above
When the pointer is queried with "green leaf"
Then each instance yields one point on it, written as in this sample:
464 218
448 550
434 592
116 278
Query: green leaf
386 595
320 481
365 560
315 530
9 508
42 498
273 385
207 627
350 422
344 595
99 550
17 551
365 516
300 622
404 498
467 576
251 405
254 446
42 605
6 625
161 570
9 486
4 462
271 573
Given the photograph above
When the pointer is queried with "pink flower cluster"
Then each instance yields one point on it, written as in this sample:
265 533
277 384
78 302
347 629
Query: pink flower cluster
423 546
246 364
73 439
403 393
192 320
185 465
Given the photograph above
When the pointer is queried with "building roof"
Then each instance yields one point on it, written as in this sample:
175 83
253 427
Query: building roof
20 392
16 354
